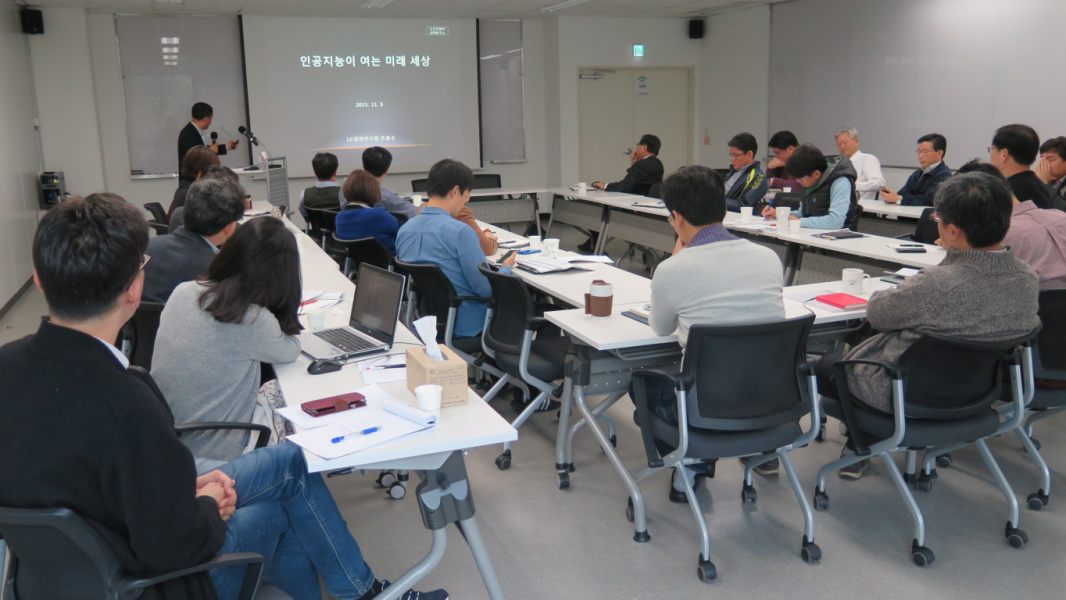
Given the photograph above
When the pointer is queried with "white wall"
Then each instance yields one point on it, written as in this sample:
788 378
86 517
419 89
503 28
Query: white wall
62 76
19 156
582 42
734 83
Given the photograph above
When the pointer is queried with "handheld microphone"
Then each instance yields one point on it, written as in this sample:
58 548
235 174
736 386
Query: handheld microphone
214 137
248 134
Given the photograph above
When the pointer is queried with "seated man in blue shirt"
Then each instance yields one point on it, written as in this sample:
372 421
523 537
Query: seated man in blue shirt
922 184
436 237
828 189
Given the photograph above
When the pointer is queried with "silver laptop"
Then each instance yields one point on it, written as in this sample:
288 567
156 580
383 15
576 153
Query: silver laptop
372 326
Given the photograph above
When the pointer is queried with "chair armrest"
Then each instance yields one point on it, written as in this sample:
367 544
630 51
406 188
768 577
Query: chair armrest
143 580
848 400
261 442
460 299
640 400
160 228
536 323
909 237
894 370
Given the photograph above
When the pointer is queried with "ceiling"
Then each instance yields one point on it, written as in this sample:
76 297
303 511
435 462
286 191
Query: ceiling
524 9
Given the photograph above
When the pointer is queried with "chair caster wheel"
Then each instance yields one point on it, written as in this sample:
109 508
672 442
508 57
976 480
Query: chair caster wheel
397 491
386 479
564 481
1036 443
1016 537
924 483
629 511
503 461
944 461
748 494
821 434
843 429
706 571
921 555
810 552
821 501
614 441
1037 500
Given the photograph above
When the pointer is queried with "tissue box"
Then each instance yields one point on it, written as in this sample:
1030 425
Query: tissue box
450 374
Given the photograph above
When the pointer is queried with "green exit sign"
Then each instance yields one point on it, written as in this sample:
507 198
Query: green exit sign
638 50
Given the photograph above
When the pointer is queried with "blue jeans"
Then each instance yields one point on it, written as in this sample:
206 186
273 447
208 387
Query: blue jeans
289 516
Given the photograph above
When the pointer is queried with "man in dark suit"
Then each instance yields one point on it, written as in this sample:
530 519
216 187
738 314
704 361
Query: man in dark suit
193 133
212 208
922 184
646 169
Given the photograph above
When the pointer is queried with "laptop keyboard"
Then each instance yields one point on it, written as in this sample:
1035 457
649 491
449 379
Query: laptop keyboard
345 340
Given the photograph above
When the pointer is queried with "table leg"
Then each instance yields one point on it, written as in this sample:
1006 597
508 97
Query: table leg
605 221
536 211
639 521
562 466
793 256
444 497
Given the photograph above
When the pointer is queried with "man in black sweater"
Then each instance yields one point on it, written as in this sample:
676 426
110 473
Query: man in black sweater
77 430
1013 151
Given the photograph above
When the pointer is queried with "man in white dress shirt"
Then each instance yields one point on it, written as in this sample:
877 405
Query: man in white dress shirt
870 179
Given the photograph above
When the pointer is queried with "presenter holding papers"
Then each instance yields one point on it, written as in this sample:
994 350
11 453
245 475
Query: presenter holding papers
193 133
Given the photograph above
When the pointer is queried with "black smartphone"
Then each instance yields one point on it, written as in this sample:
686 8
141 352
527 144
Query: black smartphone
506 256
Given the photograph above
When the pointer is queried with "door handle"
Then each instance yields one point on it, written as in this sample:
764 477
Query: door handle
627 151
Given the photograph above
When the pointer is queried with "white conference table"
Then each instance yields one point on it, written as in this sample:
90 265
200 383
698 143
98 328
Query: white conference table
885 209
435 453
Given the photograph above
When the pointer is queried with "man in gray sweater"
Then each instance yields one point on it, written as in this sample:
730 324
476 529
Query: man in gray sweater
713 277
980 292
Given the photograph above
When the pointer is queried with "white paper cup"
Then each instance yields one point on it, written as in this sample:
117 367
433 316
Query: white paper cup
534 242
794 225
416 200
782 219
429 398
316 320
582 188
745 214
551 246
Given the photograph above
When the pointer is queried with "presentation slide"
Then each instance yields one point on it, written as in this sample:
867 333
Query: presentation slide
342 85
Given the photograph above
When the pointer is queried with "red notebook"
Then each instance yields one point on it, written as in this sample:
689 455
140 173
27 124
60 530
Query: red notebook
845 301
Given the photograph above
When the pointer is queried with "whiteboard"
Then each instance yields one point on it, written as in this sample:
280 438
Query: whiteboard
503 134
899 69
159 97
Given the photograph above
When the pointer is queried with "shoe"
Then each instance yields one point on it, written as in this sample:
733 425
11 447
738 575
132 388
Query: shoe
548 404
413 595
856 470
768 468
679 497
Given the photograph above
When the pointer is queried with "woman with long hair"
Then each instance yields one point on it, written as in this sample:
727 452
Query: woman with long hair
215 334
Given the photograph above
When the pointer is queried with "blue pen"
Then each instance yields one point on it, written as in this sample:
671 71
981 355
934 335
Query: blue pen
340 439
528 251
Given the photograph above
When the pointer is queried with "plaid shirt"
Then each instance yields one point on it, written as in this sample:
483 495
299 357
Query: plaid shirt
1038 237
714 233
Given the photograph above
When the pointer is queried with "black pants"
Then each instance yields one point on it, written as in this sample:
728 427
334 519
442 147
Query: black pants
661 395
823 371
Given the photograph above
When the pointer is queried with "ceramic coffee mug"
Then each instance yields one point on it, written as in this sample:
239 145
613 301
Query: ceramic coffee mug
600 299
855 281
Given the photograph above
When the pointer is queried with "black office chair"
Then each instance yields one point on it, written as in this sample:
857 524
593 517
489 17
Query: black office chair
137 338
431 293
1049 394
851 220
321 224
262 431
356 252
159 214
176 220
926 232
484 181
728 406
656 190
57 554
400 218
420 185
943 392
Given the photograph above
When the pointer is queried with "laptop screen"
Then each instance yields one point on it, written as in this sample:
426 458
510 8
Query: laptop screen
376 307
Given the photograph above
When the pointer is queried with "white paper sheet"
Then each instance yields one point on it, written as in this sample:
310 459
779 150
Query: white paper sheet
374 376
375 399
390 427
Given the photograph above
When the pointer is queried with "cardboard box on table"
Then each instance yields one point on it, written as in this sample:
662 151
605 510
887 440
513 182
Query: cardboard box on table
450 374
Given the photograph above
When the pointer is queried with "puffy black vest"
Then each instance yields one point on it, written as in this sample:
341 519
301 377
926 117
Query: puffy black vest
816 203
326 197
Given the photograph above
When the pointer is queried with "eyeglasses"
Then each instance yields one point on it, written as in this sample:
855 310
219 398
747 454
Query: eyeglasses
670 220
144 262
735 156
935 217
920 152
992 149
